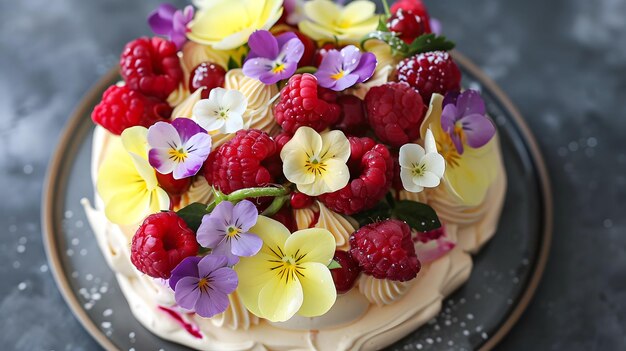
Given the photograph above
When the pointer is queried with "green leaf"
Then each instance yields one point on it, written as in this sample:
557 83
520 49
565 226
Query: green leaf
334 264
398 46
192 215
382 24
417 215
382 210
232 64
429 42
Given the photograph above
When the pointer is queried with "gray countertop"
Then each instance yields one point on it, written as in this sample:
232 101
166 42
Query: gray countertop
562 62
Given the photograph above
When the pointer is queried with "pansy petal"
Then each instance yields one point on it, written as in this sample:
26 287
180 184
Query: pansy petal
211 231
223 211
321 10
257 67
344 83
234 101
273 233
159 200
292 51
435 163
245 215
458 143
358 11
318 289
160 20
263 44
128 207
478 130
337 175
246 245
331 64
188 267
406 175
350 57
280 298
224 280
469 103
233 124
209 263
186 292
208 305
366 68
410 154
161 161
135 140
185 128
337 145
254 273
294 168
225 249
427 180
311 245
199 145
189 167
448 118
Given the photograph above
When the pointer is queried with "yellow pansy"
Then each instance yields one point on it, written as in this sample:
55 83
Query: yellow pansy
468 175
127 183
290 274
227 24
316 163
328 21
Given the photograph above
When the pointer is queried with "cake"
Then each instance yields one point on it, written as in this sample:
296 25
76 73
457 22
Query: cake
291 176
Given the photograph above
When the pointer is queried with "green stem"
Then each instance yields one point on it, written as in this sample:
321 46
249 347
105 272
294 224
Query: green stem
256 192
306 69
386 7
275 206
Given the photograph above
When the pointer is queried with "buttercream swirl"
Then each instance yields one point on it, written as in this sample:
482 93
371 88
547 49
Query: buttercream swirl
382 291
336 224
199 191
236 315
185 108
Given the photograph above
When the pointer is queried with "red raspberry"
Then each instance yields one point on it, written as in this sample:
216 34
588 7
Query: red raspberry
353 119
430 72
300 200
345 276
281 140
385 250
395 112
241 162
161 243
301 105
122 108
408 25
416 6
285 216
151 65
371 170
208 75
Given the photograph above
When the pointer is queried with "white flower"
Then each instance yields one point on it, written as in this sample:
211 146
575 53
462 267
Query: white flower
421 168
222 111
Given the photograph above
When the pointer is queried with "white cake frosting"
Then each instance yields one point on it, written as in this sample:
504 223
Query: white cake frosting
372 315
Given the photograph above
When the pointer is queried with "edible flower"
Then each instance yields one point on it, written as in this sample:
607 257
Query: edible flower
127 183
290 274
434 244
180 147
272 59
340 70
225 230
227 24
202 284
467 176
316 163
329 21
222 111
168 21
421 167
464 119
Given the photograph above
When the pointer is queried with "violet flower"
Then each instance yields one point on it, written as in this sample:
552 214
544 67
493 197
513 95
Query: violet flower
202 284
225 230
180 147
464 119
272 59
340 70
168 21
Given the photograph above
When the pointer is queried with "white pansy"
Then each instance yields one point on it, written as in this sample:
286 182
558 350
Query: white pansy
222 111
421 167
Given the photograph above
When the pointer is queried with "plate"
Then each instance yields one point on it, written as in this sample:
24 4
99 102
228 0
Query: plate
476 317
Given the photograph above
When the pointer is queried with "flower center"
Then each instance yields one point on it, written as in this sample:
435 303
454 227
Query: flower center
338 75
178 155
446 148
458 130
278 68
287 267
418 169
315 165
204 285
222 113
233 231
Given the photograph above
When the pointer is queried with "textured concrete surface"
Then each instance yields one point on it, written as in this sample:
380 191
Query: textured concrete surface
562 62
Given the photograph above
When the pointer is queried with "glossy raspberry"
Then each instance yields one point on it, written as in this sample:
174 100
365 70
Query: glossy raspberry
299 200
408 25
353 118
302 103
395 112
385 250
371 172
208 75
241 162
151 65
173 186
345 276
161 243
285 216
430 72
121 108
417 6
282 139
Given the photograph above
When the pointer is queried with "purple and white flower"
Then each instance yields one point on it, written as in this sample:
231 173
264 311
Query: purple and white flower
340 70
168 21
180 147
202 284
272 59
225 230
464 119
222 111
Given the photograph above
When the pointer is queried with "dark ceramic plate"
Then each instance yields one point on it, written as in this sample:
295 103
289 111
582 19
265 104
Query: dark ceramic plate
505 275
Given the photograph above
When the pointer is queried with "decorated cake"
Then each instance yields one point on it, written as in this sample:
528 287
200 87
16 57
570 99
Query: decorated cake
291 175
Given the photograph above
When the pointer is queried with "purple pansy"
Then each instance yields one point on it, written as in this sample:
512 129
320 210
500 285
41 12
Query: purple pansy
340 70
464 119
180 147
272 59
202 284
168 21
225 230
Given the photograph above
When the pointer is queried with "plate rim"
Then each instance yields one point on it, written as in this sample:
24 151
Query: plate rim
54 175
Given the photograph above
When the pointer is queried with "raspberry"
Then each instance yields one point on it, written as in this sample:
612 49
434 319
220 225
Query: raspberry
353 119
416 6
161 243
300 200
345 276
208 75
430 72
241 162
285 216
395 112
371 170
385 250
425 237
408 25
281 140
302 105
122 108
151 65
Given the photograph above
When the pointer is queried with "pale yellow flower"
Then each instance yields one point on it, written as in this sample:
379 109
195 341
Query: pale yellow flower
289 275
227 24
316 163
328 21
467 176
127 183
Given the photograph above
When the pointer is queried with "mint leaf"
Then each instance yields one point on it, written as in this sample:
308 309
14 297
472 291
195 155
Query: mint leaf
429 42
398 46
381 211
417 215
334 264
192 215
382 24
